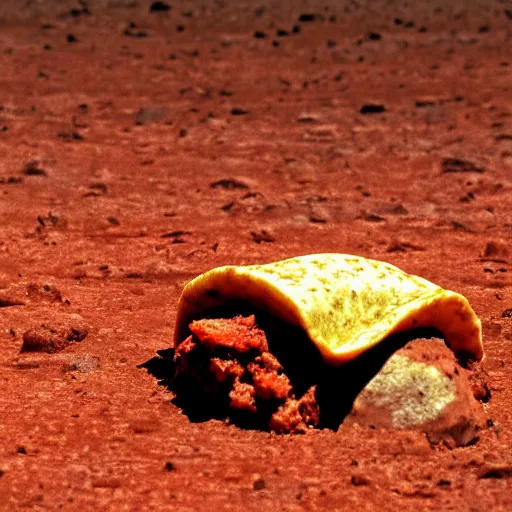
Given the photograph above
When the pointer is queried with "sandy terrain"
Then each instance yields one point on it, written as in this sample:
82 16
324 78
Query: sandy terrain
139 149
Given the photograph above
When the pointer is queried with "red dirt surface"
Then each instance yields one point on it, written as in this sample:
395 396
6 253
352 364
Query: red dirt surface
139 149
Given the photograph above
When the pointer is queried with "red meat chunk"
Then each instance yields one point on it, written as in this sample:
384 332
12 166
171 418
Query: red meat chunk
239 333
250 378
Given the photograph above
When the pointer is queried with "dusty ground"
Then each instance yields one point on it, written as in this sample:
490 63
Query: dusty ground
139 149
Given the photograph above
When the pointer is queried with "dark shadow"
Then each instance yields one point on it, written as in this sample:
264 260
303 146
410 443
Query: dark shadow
161 366
337 387
195 403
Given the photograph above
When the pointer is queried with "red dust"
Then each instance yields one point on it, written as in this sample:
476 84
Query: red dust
381 130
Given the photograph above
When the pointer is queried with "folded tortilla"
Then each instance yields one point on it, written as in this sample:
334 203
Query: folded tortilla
345 304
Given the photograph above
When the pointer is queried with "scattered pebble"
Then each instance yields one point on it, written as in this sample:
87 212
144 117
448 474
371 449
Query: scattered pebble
359 480
372 108
82 363
43 293
132 31
149 115
160 7
229 184
169 466
309 17
34 168
490 470
496 251
449 165
262 236
237 111
55 335
258 483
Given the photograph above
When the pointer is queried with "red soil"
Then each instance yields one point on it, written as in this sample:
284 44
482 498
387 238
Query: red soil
139 149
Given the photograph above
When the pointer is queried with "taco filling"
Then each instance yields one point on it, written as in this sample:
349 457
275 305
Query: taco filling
229 359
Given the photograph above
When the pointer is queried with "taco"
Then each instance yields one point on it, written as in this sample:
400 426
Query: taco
343 306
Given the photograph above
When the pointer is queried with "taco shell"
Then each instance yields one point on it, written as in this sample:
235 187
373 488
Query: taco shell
345 304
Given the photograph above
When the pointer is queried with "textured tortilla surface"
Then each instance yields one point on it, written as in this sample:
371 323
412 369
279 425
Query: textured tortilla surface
346 304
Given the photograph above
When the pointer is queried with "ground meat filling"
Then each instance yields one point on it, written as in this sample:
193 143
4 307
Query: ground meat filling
229 359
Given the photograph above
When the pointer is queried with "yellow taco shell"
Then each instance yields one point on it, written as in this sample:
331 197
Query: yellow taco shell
345 304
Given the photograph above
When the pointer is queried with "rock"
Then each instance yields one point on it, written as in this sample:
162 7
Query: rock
151 114
262 236
229 184
372 108
238 111
422 387
496 250
449 165
34 168
55 335
160 7
83 363
43 293
7 301
496 470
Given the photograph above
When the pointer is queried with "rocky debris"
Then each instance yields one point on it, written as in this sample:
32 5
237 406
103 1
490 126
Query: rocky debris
10 180
450 165
258 483
262 236
50 221
372 108
496 251
6 301
152 114
132 31
76 12
229 184
309 118
83 363
422 387
159 7
319 214
178 236
495 470
55 334
43 293
33 168
310 17
238 111
97 189
169 466
70 135
399 246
